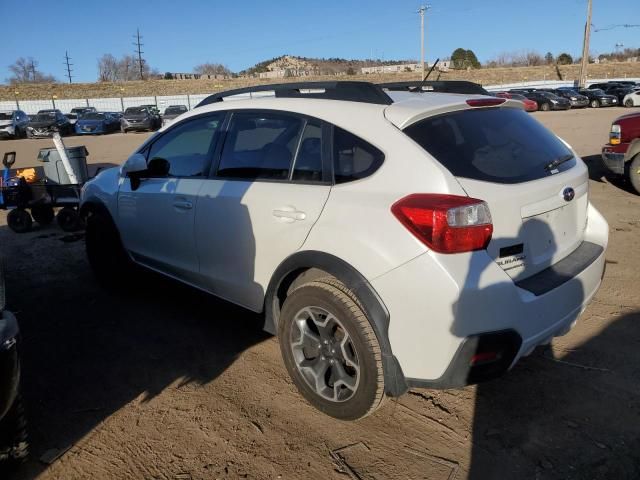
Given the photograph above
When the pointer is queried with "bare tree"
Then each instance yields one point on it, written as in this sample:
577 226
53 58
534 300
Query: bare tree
212 69
108 68
124 69
25 70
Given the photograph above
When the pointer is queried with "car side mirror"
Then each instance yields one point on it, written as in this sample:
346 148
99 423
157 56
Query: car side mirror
158 167
9 159
134 164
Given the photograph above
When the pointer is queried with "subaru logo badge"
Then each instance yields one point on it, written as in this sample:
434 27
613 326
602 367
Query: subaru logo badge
568 194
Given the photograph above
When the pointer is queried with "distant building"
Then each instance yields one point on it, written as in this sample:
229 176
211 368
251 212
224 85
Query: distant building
403 67
289 72
198 76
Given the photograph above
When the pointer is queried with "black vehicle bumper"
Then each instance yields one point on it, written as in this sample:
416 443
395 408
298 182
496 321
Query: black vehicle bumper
579 103
9 362
561 106
138 126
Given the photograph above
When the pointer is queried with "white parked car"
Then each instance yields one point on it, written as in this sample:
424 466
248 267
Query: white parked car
632 99
391 239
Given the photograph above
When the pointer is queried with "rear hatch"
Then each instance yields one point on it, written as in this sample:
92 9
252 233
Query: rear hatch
536 189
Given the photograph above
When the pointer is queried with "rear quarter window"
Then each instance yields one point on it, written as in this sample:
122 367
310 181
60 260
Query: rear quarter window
353 158
500 145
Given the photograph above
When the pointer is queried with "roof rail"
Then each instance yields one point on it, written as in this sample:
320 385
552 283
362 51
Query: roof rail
364 92
440 86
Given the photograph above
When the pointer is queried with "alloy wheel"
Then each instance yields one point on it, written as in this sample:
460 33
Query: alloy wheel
324 354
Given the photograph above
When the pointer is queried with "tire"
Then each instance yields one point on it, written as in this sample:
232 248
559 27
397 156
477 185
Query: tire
43 214
595 103
108 259
29 134
123 130
322 327
14 446
69 219
628 103
633 172
545 107
19 220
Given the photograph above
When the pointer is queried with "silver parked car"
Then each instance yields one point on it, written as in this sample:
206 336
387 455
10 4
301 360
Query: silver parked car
13 124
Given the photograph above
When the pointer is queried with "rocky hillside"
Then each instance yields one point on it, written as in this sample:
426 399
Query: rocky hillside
485 76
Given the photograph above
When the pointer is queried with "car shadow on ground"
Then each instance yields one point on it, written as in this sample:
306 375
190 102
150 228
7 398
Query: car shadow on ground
568 416
599 173
87 352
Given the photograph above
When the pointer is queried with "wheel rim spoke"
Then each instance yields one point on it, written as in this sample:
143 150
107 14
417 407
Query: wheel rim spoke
324 354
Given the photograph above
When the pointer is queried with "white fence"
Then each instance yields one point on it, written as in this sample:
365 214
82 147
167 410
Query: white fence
114 104
117 104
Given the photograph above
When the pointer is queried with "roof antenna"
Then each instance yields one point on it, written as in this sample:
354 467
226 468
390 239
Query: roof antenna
424 80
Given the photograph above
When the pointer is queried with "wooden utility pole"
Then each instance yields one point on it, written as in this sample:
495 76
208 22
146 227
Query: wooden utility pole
585 48
422 10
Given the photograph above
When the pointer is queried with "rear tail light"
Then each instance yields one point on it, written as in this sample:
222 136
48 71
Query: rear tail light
615 136
446 223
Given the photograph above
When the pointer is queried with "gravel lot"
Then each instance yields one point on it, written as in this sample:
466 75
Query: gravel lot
168 383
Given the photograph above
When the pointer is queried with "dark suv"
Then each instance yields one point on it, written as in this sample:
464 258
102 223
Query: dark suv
546 100
618 90
598 98
577 100
139 118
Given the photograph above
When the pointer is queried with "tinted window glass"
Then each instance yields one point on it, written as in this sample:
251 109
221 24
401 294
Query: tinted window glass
501 145
353 158
260 145
308 164
188 146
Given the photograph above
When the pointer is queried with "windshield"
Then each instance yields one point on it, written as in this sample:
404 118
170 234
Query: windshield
6 115
549 95
43 117
93 116
136 111
500 145
175 110
597 91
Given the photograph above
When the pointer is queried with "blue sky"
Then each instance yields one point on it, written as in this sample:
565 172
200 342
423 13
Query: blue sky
180 34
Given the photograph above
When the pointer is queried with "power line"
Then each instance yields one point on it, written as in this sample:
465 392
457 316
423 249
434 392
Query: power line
140 52
619 25
69 69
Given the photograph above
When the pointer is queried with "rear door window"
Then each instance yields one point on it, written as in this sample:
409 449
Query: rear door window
500 145
260 145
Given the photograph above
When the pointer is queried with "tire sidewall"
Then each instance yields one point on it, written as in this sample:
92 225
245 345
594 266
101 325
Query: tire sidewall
633 173
595 104
364 398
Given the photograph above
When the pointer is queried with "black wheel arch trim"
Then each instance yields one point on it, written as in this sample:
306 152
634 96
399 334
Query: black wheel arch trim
377 313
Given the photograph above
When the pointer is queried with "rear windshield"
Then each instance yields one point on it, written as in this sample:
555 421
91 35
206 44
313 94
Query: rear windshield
175 110
93 116
136 111
500 145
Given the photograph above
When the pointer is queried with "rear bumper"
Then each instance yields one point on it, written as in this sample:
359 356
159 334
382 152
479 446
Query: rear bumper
443 307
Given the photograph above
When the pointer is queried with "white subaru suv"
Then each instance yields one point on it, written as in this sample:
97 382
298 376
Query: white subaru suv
392 237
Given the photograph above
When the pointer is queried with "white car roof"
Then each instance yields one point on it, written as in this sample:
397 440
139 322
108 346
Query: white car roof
407 107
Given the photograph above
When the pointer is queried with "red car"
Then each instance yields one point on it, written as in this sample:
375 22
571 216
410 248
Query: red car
622 154
529 105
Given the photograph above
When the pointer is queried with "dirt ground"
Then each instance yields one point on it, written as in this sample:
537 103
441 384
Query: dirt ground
168 383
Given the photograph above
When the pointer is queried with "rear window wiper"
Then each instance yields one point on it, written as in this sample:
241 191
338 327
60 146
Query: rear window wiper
558 161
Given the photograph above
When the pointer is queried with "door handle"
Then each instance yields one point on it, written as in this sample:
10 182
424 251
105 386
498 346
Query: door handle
290 214
183 204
